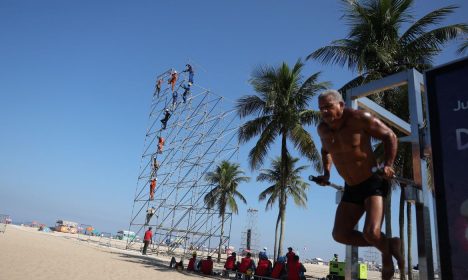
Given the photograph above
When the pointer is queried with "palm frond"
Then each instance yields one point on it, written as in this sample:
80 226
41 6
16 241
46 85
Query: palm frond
252 128
432 18
304 143
310 117
259 151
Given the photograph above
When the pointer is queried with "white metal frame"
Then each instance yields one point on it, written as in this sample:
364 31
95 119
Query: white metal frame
418 135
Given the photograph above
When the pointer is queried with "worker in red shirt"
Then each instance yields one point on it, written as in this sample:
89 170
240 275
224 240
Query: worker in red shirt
290 254
231 262
264 265
207 266
192 262
147 239
279 268
246 264
295 269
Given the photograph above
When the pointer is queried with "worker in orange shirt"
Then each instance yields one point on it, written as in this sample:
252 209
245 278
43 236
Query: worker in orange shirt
161 141
152 188
173 79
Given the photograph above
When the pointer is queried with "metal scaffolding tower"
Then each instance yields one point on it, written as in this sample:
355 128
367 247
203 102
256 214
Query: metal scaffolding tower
250 235
200 131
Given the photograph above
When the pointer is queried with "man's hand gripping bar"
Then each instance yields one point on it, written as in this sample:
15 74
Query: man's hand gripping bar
324 184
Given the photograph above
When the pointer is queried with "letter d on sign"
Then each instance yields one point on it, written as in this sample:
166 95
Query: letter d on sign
460 145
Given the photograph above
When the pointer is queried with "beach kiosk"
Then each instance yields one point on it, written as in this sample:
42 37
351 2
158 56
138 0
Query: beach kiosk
66 226
126 235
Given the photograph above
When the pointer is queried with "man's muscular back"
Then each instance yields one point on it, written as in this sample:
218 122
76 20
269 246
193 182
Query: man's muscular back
349 145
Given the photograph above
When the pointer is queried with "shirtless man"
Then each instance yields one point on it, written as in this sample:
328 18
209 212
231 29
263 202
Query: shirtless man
346 141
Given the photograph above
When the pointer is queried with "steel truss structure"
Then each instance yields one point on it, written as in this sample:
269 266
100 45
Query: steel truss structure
250 234
200 131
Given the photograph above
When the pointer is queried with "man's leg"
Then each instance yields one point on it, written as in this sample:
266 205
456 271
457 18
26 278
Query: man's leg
373 233
145 246
347 216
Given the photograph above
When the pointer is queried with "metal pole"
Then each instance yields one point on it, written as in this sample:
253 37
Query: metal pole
426 265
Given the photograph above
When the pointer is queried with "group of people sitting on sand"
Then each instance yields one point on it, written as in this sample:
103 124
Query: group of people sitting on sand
286 267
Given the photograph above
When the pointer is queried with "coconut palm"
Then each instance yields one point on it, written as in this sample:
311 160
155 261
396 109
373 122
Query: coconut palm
226 178
295 188
280 108
376 46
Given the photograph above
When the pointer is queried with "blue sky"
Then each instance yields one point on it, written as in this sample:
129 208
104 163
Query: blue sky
76 79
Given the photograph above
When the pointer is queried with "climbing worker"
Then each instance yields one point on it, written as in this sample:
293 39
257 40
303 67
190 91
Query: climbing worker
279 269
295 269
189 69
149 214
246 264
192 262
153 187
173 79
207 266
186 92
264 265
167 115
155 165
158 86
161 141
175 94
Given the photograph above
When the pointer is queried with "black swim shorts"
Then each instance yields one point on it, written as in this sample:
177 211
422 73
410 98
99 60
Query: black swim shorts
375 185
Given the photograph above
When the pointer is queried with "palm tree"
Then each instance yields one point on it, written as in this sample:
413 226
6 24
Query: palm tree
377 47
280 109
226 178
295 188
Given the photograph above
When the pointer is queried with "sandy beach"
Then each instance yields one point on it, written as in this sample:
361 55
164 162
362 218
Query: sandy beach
27 253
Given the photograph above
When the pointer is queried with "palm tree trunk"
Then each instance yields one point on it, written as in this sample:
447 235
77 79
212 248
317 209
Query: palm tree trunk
401 220
284 172
281 238
410 235
221 238
275 252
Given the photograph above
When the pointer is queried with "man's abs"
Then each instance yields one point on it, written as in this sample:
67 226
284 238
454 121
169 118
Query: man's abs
355 171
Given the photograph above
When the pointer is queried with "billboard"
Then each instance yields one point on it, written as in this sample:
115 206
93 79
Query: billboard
447 91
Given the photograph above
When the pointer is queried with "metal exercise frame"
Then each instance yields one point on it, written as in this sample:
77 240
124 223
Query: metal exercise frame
200 132
418 135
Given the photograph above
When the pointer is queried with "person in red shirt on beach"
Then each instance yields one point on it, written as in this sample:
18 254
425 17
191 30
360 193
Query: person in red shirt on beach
231 262
290 254
295 269
264 265
147 239
207 266
192 262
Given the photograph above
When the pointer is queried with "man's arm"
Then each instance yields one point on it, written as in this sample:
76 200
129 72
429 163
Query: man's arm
377 129
326 162
326 156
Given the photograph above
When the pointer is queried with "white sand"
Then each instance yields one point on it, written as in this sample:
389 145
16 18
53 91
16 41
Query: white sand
26 253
